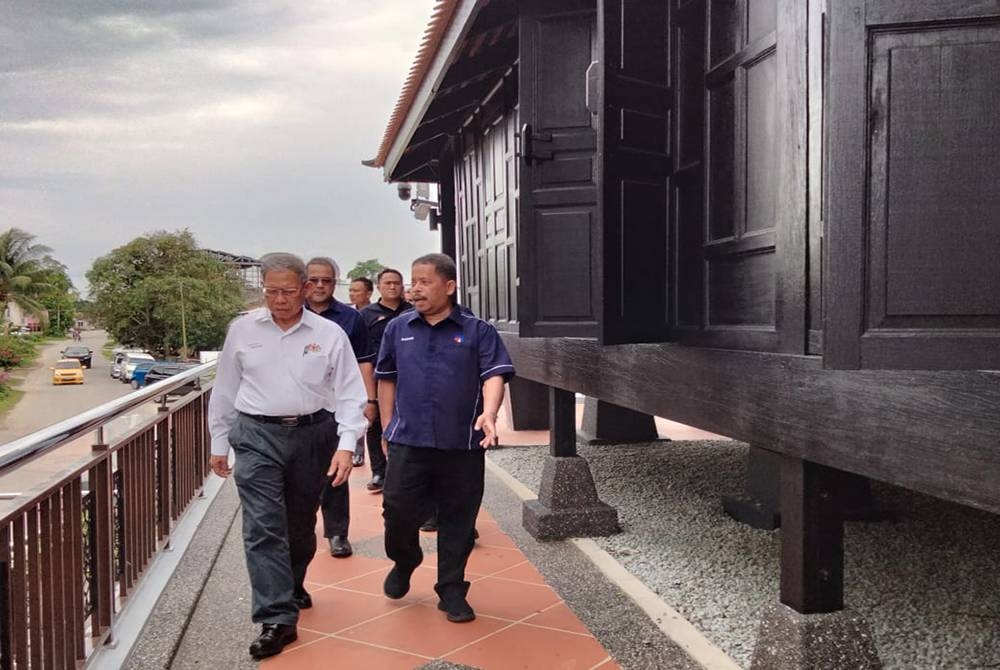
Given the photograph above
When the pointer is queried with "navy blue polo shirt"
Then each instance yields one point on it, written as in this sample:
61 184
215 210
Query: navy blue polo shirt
439 372
354 325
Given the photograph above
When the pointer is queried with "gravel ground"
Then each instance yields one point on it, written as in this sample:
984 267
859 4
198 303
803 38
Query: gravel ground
927 582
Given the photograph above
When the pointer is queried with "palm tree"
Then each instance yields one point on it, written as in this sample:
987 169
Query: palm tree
22 271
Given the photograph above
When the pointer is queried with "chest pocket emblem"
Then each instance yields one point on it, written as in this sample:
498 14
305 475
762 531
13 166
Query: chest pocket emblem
457 339
311 349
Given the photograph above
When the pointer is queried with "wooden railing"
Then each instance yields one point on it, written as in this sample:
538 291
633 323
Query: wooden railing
72 552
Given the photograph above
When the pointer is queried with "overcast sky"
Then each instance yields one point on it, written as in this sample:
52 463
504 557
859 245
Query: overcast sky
242 121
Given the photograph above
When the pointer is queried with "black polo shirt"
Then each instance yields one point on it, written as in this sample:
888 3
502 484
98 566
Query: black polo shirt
377 316
439 372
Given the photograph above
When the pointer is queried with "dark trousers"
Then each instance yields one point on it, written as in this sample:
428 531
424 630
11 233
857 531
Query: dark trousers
279 472
335 501
375 455
419 479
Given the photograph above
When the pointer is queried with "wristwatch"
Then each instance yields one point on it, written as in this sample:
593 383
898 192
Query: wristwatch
372 401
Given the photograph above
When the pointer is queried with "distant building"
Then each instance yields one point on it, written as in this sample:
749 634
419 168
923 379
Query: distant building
248 271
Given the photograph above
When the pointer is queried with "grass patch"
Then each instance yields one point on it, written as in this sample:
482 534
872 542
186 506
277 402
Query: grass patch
9 397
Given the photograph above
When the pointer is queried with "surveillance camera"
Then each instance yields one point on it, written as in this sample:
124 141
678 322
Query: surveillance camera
403 190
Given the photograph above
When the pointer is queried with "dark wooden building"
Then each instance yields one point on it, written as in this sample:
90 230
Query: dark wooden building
778 220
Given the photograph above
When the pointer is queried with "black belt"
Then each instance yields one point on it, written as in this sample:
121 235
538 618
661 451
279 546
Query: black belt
292 421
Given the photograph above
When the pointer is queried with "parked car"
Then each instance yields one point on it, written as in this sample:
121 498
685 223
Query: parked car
128 365
166 369
118 356
139 374
67 371
80 353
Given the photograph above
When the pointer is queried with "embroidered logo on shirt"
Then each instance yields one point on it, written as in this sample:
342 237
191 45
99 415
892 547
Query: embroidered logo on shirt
457 339
311 349
406 339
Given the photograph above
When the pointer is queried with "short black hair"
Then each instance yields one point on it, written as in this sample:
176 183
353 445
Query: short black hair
443 265
386 271
364 280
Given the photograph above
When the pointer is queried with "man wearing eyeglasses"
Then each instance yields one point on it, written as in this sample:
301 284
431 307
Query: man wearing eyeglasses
282 375
336 502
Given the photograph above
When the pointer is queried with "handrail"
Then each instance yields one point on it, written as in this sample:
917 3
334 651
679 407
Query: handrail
64 431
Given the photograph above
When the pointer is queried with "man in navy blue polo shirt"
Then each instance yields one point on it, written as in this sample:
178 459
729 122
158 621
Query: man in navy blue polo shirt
441 374
336 501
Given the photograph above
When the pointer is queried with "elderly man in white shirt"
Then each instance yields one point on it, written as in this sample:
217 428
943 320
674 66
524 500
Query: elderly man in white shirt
283 374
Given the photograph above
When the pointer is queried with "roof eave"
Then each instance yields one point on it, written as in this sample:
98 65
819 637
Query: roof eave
451 40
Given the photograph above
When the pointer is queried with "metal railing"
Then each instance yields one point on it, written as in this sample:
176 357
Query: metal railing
73 550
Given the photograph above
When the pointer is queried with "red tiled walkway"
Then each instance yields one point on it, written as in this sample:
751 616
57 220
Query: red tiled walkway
521 622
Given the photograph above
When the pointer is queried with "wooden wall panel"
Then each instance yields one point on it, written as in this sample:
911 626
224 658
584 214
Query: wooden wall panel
930 431
486 200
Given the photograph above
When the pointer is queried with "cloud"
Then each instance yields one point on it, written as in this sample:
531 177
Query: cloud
244 122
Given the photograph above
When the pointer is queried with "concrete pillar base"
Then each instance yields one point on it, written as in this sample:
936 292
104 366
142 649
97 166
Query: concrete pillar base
567 504
788 640
604 423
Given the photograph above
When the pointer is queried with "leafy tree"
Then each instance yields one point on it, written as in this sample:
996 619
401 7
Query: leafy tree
369 268
59 298
22 275
159 290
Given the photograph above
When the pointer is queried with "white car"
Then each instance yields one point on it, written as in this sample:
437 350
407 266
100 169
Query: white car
118 355
129 363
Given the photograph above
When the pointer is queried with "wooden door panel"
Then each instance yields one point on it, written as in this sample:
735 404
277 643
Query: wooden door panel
634 160
912 234
556 252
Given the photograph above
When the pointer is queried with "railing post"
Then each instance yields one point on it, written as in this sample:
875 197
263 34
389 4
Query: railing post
6 641
103 547
163 462
100 444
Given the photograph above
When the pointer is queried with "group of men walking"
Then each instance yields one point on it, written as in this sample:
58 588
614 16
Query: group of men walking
303 379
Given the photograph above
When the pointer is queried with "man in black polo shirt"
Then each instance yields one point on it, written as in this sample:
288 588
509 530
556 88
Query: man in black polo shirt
441 375
377 316
336 501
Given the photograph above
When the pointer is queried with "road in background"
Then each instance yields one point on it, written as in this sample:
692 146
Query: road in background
44 404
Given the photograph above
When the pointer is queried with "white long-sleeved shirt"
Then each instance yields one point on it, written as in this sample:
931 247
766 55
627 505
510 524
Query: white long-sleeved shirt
267 371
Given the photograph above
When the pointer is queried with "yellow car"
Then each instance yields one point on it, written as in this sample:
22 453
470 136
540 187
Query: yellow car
67 371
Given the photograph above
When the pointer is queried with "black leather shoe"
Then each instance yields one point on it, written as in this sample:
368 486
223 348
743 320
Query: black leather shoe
458 610
376 484
302 600
340 547
273 638
397 582
357 460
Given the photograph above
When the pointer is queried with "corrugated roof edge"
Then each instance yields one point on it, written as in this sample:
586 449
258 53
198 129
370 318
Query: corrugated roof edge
429 45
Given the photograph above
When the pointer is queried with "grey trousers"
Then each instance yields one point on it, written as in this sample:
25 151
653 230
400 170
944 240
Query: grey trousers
279 474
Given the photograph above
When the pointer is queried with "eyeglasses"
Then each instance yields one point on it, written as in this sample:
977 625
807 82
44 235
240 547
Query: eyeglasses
321 280
272 292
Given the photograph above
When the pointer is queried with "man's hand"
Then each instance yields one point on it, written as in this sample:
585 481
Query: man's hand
487 423
340 467
220 465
